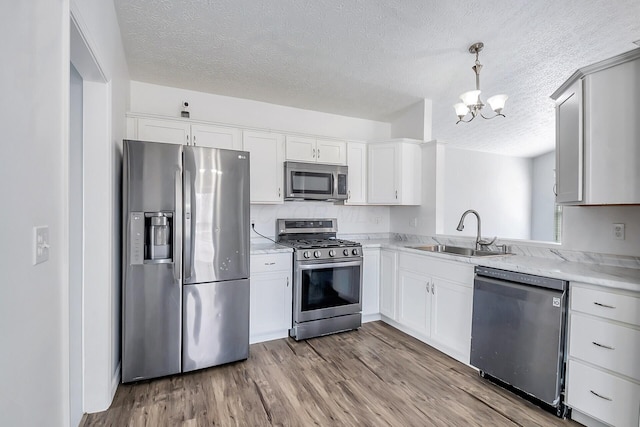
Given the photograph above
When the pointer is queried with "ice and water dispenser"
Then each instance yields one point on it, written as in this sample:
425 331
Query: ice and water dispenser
151 237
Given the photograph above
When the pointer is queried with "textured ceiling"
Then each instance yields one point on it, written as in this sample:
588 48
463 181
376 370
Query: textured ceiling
373 58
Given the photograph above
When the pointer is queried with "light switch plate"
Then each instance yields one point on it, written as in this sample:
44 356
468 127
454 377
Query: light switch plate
40 244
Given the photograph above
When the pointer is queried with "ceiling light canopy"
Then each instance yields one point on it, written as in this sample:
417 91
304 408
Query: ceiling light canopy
471 102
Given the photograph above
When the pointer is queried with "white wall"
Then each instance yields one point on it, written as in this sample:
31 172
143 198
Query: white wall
107 103
542 197
589 229
497 187
351 219
413 122
167 101
34 83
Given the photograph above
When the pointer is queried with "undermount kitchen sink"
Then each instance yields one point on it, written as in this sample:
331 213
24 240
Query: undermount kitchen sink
456 250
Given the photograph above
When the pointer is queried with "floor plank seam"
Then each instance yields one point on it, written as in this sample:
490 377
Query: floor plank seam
497 410
369 368
263 402
315 351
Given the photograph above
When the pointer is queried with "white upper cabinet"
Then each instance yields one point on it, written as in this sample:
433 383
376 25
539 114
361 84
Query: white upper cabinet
357 178
216 137
312 150
267 165
394 173
181 131
597 136
158 130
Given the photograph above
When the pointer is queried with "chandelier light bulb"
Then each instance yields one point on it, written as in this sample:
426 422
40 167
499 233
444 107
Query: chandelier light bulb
461 109
497 102
470 98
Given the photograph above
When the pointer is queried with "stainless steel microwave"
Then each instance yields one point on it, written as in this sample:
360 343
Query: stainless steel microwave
314 181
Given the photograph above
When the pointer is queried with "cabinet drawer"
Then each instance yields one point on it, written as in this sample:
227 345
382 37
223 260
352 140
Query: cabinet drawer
271 262
603 396
623 308
605 344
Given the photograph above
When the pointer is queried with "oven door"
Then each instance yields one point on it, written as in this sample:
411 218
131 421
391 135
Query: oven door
326 289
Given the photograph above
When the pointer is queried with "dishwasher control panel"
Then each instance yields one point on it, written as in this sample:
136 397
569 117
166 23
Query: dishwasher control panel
523 278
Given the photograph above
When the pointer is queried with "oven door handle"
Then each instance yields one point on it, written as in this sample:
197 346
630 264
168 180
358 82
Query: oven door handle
313 266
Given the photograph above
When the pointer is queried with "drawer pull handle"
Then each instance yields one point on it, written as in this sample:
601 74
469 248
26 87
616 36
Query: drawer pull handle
269 263
602 345
599 304
600 396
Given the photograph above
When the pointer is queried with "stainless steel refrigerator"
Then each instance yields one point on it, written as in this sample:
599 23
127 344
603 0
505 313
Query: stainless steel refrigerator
185 289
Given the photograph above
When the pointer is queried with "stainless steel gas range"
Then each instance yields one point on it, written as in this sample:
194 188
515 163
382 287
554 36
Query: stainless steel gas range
327 277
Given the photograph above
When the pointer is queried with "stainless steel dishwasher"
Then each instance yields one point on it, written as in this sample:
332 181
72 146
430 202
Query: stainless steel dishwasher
518 332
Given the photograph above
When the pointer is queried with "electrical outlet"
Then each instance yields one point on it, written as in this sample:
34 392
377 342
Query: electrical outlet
414 222
618 231
40 244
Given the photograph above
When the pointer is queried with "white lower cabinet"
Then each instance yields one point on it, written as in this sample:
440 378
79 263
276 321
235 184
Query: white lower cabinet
388 283
603 373
414 301
435 301
370 284
271 297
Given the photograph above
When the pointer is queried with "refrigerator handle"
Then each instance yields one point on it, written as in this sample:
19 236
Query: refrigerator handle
177 241
187 224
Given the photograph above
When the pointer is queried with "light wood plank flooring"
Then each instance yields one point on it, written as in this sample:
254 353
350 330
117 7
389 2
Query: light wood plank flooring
376 376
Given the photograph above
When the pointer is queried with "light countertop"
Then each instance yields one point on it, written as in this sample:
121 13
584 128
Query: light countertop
596 274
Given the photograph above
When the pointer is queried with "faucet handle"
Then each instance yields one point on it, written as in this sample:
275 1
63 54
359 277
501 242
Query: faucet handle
484 243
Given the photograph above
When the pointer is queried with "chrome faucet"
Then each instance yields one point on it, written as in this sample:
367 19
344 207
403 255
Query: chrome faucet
479 241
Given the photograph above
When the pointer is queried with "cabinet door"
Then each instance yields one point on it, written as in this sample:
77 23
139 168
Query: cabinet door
157 130
216 137
301 149
271 306
612 135
331 151
414 301
382 187
569 146
388 283
357 179
267 165
370 281
451 308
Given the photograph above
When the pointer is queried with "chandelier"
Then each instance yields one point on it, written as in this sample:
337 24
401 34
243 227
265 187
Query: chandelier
471 102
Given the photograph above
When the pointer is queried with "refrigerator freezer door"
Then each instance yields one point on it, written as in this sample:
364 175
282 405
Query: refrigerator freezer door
216 217
151 292
216 324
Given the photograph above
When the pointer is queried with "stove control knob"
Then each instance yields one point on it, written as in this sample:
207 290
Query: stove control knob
332 253
346 252
355 251
317 254
306 254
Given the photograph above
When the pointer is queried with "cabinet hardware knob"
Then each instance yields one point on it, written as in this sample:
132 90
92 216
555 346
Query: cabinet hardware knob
318 153
194 140
287 282
396 194
313 153
433 289
602 345
601 396
603 305
278 192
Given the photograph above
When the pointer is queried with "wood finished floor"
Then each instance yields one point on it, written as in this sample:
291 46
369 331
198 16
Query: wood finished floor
376 376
